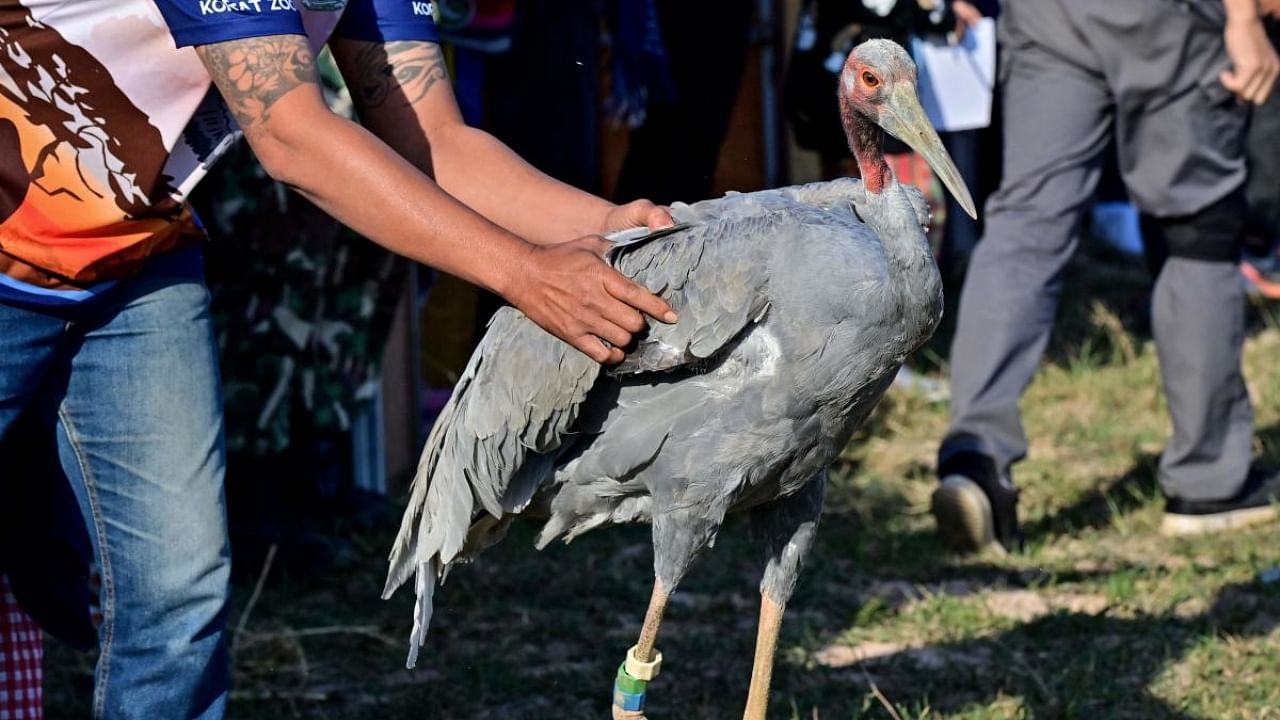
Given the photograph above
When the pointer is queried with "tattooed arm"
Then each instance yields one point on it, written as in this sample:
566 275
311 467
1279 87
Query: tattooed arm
269 83
402 94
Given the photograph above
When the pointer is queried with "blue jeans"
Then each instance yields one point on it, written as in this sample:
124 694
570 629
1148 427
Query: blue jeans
128 384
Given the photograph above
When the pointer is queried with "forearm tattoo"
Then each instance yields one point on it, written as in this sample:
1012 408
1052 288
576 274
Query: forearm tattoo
254 73
400 72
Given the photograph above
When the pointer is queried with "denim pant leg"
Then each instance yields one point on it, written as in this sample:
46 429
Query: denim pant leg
141 437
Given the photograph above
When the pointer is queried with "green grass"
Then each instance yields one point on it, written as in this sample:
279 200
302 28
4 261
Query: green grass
1100 618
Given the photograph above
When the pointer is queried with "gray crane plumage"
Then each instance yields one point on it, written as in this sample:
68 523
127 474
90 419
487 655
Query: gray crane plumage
797 307
794 317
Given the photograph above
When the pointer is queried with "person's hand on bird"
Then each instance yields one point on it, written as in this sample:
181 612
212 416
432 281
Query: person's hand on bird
569 291
967 16
1254 64
638 213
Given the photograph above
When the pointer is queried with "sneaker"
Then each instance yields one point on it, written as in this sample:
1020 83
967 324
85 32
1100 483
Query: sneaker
975 507
1255 503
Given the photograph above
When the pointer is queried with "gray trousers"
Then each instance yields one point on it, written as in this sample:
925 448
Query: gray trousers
1074 72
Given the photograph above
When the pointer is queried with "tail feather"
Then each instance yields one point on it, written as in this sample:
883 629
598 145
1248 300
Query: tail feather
404 560
435 525
432 536
425 586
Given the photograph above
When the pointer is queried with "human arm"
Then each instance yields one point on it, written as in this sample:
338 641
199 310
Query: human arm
269 84
1254 65
967 16
402 94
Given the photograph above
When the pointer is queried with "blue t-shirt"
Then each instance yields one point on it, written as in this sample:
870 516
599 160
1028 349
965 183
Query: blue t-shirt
108 119
202 22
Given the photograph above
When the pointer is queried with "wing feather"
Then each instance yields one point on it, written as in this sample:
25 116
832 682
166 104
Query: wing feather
714 274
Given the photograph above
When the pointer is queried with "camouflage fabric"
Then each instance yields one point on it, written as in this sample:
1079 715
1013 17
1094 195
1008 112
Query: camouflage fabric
302 308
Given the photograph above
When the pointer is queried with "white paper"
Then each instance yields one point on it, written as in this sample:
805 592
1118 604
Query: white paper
957 79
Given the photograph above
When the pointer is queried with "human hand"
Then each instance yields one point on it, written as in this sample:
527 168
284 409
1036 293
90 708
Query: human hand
1269 7
1254 64
638 213
569 291
967 16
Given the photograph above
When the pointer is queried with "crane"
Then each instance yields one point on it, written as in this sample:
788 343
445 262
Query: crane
797 307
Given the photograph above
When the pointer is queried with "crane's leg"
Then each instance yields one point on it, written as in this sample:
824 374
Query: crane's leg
652 619
643 660
787 528
678 536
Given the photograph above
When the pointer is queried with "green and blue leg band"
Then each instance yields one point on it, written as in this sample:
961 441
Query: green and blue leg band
628 691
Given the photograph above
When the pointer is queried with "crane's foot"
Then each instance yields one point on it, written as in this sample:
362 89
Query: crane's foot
631 683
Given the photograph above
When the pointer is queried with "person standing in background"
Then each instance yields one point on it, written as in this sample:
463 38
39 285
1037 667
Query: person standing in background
1167 77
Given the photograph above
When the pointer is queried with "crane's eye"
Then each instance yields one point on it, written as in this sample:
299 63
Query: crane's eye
869 79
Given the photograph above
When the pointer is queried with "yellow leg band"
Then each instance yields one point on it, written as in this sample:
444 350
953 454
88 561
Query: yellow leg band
643 670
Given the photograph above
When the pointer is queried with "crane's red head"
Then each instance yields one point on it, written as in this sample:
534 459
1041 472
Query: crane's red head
878 93
872 75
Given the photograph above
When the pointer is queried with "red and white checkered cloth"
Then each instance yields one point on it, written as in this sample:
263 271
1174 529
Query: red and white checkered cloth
21 653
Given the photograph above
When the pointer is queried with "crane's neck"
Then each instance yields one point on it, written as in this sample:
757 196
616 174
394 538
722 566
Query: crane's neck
866 140
890 214
918 286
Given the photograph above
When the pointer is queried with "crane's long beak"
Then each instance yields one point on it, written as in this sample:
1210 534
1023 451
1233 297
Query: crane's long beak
905 119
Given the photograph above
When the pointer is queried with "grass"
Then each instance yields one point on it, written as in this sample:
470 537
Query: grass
1099 618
